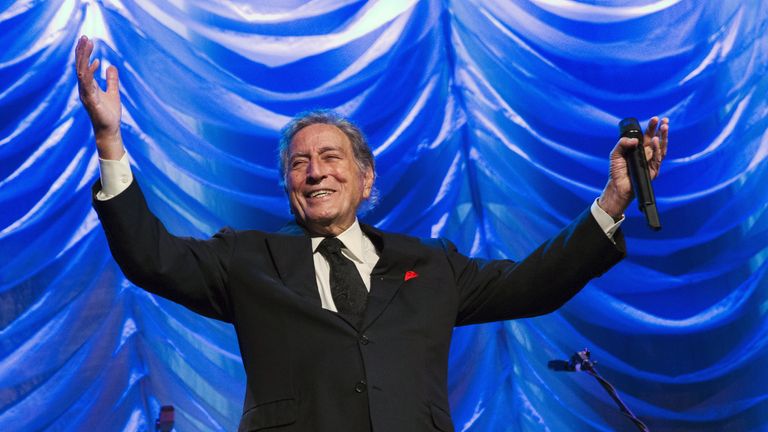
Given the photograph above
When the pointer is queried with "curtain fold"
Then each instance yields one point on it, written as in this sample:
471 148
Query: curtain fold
491 122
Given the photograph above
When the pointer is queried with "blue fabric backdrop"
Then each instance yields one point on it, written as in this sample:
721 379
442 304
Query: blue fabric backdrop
491 123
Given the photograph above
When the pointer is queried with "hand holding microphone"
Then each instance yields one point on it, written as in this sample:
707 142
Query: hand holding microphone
639 174
635 161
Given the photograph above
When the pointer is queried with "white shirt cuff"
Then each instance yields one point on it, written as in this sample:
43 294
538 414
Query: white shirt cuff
116 176
605 220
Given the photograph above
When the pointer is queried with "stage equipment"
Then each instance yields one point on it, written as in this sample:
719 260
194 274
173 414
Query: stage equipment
582 362
164 422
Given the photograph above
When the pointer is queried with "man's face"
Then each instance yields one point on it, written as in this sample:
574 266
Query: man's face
324 182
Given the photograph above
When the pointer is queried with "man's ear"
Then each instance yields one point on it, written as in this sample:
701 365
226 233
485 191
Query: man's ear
368 178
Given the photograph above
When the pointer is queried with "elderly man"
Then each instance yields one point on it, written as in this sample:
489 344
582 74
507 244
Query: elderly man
342 327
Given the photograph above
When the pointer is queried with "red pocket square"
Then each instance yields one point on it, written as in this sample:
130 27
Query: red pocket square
410 274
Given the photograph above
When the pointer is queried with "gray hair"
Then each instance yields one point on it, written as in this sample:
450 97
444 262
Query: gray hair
360 148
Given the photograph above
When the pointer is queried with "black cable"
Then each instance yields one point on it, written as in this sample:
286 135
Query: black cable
582 362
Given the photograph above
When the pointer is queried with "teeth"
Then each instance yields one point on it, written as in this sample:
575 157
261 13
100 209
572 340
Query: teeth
320 193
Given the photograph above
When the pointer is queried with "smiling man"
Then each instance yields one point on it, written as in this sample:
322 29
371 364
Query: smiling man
326 177
342 327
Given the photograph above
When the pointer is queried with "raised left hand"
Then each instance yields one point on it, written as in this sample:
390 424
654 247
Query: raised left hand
618 193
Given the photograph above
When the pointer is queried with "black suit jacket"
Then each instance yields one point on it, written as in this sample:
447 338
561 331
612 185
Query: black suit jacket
310 369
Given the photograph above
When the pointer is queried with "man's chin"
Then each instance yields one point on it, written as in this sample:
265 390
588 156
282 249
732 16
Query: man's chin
315 222
323 225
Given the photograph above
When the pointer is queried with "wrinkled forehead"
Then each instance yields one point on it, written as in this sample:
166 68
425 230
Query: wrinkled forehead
318 137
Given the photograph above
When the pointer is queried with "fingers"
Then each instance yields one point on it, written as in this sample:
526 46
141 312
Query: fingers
85 82
655 158
626 144
113 83
659 130
82 57
650 131
80 54
663 137
655 151
650 148
85 71
656 147
655 142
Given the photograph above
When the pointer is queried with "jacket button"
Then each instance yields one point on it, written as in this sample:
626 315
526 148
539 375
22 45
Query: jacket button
360 387
364 340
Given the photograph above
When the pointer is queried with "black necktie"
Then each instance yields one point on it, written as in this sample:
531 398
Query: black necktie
347 287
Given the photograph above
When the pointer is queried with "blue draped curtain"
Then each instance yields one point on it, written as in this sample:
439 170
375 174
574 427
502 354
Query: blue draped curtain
491 122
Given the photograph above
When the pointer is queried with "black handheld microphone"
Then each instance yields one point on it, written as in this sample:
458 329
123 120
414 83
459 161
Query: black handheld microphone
638 172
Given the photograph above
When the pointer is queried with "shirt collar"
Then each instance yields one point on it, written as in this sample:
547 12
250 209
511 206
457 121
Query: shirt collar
352 238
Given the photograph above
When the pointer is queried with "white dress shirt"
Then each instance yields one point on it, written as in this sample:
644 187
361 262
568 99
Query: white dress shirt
116 176
358 248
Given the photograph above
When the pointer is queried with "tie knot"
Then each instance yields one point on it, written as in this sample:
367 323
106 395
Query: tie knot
330 245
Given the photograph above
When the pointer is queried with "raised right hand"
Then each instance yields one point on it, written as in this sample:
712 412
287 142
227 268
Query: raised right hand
618 193
103 108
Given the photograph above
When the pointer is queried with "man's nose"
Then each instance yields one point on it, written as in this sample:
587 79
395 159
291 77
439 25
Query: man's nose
315 171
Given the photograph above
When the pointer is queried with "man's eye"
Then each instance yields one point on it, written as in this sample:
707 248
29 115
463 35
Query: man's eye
298 163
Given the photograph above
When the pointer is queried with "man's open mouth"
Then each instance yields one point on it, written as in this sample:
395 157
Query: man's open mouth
319 193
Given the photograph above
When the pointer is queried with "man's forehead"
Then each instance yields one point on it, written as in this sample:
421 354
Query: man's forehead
319 137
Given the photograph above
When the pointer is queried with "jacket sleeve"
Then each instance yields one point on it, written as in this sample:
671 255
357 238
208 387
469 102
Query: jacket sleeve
187 271
496 290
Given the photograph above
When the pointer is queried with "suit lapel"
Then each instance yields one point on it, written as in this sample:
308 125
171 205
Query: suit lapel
395 258
291 251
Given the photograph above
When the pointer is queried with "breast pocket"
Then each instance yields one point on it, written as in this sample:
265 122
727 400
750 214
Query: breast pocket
271 414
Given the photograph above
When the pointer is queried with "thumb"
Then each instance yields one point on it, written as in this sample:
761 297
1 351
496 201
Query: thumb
625 145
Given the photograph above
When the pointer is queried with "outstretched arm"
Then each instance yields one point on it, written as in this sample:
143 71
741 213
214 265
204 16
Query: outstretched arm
558 269
496 290
187 271
103 107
